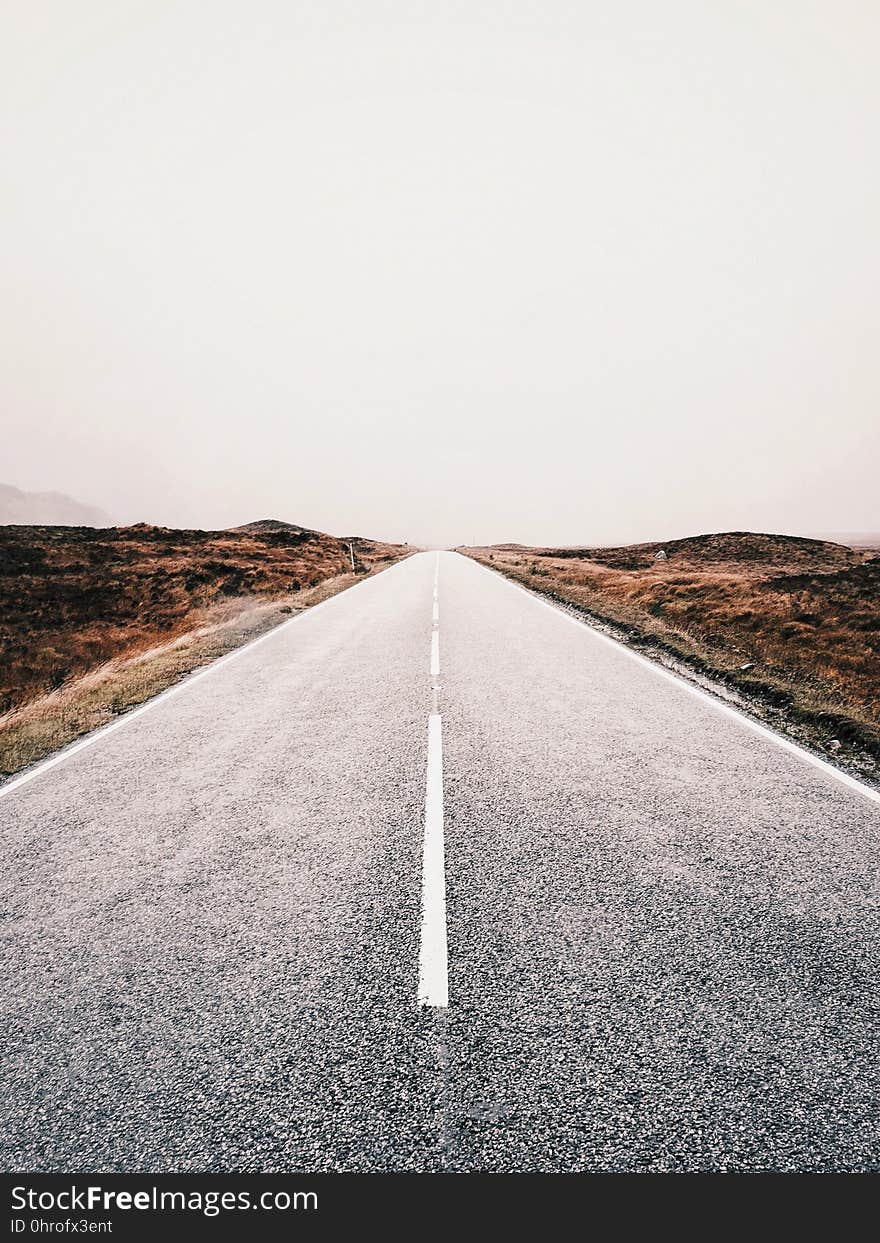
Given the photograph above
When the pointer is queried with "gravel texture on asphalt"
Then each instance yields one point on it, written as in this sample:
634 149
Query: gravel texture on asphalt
662 928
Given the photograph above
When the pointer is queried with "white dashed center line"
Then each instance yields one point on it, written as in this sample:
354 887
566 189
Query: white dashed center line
433 966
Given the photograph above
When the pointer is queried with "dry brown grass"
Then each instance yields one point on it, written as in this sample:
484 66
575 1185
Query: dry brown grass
93 623
792 623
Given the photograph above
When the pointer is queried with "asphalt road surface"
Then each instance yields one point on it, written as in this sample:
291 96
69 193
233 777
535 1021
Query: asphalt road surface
229 932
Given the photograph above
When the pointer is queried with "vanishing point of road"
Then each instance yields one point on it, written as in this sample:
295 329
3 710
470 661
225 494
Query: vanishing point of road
434 877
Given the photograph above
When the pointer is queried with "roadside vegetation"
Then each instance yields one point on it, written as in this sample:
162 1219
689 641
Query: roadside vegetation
96 621
787 627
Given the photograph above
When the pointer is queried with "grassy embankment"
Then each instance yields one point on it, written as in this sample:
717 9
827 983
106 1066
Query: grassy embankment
94 622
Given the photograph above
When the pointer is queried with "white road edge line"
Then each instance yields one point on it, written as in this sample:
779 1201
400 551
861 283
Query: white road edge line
792 747
15 783
433 961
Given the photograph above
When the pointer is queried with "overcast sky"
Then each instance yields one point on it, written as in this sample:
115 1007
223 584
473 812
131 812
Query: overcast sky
444 272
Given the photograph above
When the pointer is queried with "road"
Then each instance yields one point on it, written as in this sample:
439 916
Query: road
230 923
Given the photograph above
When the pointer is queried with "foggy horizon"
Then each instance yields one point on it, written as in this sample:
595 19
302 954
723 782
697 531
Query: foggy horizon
594 274
843 537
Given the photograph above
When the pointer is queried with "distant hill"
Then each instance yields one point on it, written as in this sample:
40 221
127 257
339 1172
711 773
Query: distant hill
265 526
33 509
722 548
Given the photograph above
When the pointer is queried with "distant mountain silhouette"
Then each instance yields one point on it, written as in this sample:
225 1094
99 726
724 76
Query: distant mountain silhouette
39 509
